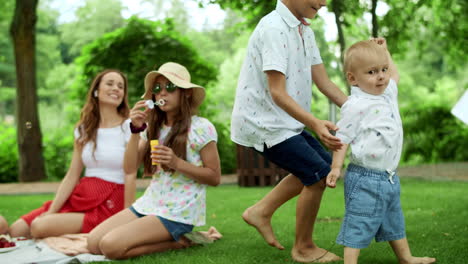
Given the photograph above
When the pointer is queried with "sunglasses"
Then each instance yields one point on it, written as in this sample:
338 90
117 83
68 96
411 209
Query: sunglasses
170 88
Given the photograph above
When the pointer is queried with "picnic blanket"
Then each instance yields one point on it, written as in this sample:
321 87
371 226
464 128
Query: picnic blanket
72 248
39 252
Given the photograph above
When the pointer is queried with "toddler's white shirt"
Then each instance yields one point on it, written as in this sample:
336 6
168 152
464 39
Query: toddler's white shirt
371 124
107 162
275 45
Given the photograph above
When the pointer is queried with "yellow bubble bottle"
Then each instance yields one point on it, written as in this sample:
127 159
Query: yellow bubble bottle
153 144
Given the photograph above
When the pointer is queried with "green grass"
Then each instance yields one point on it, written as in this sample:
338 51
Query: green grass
436 214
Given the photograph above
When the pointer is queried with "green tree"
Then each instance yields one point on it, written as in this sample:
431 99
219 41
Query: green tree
7 60
420 23
29 137
94 19
136 49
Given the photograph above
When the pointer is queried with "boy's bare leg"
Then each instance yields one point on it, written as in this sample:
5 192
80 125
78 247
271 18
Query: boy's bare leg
259 215
351 255
403 253
308 205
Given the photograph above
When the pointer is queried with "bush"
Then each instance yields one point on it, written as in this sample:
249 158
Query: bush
433 134
58 150
8 154
57 147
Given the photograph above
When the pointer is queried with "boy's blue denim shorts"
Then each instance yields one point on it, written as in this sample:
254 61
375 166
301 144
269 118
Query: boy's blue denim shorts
373 208
303 156
176 229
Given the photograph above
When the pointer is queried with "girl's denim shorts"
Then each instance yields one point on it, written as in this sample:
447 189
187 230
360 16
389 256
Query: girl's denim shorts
373 209
176 229
303 156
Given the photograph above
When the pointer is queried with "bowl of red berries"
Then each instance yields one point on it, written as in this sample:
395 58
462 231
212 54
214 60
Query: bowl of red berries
6 244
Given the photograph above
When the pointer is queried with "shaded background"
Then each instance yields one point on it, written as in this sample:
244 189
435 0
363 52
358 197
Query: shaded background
427 38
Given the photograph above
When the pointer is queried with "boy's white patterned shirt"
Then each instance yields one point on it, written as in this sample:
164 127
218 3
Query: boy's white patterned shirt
371 124
275 44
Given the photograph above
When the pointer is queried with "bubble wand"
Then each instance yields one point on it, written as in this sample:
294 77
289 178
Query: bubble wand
151 104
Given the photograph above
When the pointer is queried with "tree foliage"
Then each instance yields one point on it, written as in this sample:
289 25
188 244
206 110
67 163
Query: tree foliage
136 49
94 19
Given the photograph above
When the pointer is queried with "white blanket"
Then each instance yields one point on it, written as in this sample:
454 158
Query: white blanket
31 252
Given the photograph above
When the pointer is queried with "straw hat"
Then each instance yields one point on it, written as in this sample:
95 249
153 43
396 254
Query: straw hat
178 75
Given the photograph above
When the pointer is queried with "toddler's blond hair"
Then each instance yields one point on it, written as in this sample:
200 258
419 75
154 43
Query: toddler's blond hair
362 49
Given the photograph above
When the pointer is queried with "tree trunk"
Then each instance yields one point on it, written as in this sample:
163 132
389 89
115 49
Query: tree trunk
375 24
337 10
22 30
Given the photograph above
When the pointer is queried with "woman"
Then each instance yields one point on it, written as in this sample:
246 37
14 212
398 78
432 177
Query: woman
101 137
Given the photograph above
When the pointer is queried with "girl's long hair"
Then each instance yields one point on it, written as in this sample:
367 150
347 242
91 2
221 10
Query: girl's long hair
177 137
90 115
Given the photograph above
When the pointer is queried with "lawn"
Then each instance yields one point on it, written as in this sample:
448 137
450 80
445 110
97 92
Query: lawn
436 214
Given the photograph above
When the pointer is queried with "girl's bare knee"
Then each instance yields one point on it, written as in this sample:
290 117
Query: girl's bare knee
109 248
37 228
93 244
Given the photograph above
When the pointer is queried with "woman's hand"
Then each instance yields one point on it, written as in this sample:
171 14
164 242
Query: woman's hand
137 115
165 156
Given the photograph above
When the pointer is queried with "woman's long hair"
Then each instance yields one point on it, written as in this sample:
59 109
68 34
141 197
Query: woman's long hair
90 115
177 137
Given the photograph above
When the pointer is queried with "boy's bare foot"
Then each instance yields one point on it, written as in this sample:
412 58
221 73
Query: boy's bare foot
416 260
315 255
263 226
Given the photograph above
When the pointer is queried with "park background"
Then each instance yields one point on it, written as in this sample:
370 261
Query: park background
76 39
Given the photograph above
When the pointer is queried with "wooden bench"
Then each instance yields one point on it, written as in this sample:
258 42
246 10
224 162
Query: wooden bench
254 170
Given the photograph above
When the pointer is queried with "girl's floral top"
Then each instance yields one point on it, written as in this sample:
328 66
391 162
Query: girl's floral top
172 195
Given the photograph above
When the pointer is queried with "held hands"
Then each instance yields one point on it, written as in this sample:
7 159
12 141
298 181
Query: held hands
137 115
332 177
322 128
165 156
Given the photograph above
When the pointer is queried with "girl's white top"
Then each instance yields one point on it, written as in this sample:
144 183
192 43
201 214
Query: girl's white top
173 195
107 162
371 124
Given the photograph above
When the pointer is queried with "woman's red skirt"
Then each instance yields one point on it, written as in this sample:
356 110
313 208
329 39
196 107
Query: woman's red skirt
96 198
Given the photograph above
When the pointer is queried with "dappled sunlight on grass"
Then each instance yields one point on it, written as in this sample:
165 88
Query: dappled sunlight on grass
435 215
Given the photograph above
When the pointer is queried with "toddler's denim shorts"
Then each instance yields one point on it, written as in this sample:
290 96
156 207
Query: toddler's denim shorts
176 229
373 210
303 156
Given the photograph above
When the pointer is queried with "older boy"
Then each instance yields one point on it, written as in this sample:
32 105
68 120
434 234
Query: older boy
271 110
371 124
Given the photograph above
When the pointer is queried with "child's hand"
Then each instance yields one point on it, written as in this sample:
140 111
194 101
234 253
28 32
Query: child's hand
137 115
380 41
332 177
164 156
322 128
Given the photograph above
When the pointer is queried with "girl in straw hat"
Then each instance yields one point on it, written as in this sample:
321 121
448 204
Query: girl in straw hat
187 159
